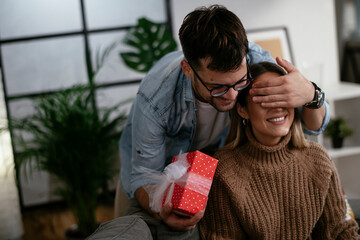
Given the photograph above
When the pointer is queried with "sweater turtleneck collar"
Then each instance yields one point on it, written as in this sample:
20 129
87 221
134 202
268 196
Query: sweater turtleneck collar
271 154
284 141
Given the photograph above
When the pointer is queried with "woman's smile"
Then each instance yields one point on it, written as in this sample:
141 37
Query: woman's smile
277 120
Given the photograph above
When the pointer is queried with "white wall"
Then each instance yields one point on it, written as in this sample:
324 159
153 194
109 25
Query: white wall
311 25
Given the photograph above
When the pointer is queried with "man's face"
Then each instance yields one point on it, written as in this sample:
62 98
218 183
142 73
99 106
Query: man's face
214 79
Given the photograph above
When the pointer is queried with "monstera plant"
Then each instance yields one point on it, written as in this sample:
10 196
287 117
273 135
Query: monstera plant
150 42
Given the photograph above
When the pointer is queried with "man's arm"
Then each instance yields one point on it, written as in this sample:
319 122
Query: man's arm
313 118
291 91
142 198
149 153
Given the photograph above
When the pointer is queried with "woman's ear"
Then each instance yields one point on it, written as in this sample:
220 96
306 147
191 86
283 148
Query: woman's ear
186 68
242 111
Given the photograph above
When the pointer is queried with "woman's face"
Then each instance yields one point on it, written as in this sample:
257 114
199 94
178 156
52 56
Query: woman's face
268 125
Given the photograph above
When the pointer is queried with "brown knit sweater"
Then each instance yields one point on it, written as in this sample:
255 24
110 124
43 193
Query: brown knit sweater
280 192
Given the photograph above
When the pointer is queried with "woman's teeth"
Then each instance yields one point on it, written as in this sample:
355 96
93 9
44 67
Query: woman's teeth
277 119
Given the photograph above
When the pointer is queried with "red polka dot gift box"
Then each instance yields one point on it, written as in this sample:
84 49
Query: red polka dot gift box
189 193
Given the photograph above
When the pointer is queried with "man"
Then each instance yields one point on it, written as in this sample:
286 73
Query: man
182 105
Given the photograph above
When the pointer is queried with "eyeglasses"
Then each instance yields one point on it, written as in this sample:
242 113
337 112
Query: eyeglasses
222 89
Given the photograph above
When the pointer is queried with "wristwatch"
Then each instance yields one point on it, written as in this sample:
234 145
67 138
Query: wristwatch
318 100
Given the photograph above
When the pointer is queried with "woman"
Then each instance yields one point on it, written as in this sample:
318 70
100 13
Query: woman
271 183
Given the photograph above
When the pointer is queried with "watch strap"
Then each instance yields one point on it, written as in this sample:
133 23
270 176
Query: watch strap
318 100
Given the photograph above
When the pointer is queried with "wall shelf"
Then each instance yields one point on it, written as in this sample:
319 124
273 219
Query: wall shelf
344 152
343 91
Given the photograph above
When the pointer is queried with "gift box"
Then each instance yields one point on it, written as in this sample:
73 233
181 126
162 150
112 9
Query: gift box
190 193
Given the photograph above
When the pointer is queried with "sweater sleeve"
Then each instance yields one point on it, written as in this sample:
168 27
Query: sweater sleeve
219 221
332 224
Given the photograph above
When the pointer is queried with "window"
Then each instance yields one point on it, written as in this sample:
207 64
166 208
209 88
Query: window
44 46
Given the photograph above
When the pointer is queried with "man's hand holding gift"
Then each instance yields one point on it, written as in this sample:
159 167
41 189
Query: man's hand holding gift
176 222
181 193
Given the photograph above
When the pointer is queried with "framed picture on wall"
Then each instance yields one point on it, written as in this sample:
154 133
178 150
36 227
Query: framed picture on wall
273 39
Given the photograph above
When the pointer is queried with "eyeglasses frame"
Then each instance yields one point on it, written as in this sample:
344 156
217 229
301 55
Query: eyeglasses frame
249 78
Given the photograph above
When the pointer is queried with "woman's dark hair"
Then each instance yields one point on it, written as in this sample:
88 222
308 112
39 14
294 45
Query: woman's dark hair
214 32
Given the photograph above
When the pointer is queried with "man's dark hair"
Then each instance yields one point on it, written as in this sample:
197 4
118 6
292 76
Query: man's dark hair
214 32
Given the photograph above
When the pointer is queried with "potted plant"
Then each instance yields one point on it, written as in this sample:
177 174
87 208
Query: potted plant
76 143
69 137
337 130
74 140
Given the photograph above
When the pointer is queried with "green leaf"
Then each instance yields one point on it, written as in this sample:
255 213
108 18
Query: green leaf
338 128
101 56
150 42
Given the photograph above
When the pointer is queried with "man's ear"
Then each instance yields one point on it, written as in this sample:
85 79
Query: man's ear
186 69
242 111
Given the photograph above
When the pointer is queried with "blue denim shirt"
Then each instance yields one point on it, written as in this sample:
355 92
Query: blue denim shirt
162 120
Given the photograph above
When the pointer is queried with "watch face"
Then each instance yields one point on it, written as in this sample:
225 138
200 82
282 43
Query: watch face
319 95
321 99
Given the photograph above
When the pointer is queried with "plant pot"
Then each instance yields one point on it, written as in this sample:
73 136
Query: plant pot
337 142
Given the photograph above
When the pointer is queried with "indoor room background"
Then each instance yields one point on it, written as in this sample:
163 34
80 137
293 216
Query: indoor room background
44 44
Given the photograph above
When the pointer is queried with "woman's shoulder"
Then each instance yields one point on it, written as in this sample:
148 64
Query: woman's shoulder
227 156
318 154
316 160
233 170
231 161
